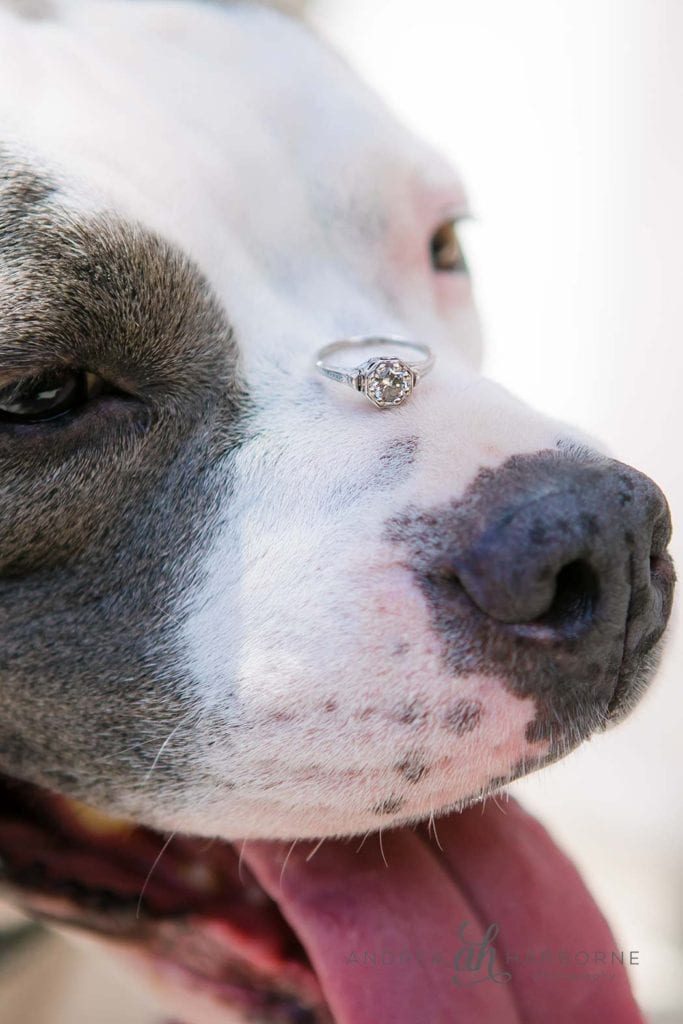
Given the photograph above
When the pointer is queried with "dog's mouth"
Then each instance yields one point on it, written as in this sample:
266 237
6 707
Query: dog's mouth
483 920
185 903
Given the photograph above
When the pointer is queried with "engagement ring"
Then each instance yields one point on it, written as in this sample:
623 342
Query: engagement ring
386 380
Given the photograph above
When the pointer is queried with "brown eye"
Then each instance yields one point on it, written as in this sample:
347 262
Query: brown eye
47 395
446 250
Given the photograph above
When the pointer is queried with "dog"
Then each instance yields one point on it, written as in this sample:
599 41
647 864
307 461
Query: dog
245 614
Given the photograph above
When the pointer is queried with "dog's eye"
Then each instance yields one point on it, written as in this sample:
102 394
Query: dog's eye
447 253
47 395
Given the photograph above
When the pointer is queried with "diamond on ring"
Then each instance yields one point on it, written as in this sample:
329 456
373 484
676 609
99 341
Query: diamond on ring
387 381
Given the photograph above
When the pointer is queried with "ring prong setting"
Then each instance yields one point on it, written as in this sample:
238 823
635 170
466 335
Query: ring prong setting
387 381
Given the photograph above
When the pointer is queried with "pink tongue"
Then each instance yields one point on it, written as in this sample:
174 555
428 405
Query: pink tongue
403 942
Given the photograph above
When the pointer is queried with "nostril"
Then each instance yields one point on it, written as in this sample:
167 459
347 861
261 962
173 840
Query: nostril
569 610
573 606
576 596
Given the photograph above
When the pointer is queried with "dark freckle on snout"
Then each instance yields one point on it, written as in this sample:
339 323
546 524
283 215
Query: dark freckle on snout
463 716
389 806
394 461
400 453
412 767
409 714
389 469
330 705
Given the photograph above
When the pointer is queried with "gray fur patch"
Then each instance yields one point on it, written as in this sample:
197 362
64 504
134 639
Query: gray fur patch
104 514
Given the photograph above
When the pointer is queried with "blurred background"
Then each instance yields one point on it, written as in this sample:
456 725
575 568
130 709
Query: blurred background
565 118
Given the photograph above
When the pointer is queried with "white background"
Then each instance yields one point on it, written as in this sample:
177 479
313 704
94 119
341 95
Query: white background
566 119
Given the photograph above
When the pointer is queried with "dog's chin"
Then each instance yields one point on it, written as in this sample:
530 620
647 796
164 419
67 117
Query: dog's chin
346 930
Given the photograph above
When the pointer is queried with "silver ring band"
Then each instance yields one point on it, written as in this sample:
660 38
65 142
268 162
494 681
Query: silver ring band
386 380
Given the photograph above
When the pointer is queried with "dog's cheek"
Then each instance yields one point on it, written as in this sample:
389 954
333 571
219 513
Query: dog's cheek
322 735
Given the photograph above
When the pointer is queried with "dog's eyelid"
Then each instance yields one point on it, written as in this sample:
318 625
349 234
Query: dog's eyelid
22 375
18 375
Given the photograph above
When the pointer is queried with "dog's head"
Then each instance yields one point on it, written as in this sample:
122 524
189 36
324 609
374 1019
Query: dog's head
236 599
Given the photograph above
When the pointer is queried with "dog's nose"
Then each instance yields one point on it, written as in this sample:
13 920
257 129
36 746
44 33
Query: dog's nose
575 547
551 573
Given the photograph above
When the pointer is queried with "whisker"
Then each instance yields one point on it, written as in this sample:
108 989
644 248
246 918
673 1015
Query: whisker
432 826
158 857
360 845
381 849
239 862
494 797
284 863
315 850
161 749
